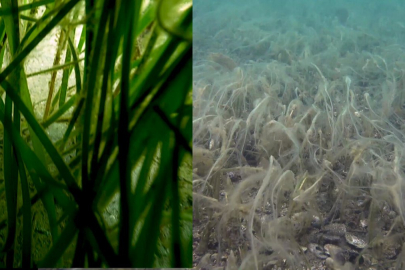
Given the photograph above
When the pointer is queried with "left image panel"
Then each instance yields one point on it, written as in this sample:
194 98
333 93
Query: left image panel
95 134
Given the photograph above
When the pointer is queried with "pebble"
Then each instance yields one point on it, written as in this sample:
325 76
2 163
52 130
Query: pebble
317 250
355 240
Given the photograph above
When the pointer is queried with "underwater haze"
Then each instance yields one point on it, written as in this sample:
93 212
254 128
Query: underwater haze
299 134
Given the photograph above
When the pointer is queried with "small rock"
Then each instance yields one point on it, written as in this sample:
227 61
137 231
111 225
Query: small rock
355 240
317 250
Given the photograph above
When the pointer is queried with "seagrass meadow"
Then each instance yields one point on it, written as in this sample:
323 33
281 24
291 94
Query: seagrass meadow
95 133
299 135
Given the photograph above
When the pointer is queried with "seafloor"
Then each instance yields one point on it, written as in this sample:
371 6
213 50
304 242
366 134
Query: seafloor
299 135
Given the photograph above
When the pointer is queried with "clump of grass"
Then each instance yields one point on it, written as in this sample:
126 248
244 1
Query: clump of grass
224 61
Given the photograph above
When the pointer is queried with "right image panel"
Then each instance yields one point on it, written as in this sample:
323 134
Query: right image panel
298 134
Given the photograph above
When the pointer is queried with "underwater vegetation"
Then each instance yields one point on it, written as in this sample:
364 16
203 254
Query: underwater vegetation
298 137
97 171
